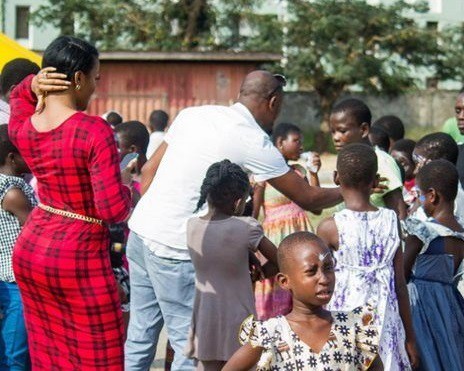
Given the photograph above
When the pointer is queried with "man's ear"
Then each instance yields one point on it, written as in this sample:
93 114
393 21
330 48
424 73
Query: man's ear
365 127
336 178
273 103
283 280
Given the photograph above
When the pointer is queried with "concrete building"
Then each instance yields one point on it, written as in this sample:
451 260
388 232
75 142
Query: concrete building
15 23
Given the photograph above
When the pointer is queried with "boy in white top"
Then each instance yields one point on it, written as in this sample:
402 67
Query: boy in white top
158 121
161 273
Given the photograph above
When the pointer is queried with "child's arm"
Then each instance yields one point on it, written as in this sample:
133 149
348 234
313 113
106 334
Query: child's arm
269 250
413 246
258 198
16 202
404 308
327 231
244 358
394 201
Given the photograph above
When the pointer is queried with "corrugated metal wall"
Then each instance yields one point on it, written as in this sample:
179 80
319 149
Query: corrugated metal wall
134 89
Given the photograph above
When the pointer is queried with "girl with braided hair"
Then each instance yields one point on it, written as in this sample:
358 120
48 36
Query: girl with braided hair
219 243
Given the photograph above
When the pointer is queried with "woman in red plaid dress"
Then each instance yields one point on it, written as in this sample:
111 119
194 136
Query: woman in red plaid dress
61 262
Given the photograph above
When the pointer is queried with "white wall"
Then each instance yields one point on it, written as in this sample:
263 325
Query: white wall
39 38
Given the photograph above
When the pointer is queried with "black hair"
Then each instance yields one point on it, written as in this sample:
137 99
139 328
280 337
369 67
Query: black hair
158 120
15 71
114 119
404 145
355 108
438 146
69 55
392 125
135 133
6 146
224 183
290 244
356 164
441 175
379 137
282 130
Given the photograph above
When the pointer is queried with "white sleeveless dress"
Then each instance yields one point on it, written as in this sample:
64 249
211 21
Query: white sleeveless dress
368 242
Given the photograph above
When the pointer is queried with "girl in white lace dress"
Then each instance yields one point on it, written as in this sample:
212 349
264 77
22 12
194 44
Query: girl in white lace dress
369 259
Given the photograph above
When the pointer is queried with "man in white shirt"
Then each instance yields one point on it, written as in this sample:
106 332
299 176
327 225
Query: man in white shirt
157 122
161 273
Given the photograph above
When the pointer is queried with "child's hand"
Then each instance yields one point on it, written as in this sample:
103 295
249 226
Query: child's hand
256 270
315 164
412 353
380 186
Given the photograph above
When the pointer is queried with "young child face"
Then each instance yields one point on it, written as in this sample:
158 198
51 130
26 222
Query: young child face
310 275
424 200
346 130
292 146
405 161
123 146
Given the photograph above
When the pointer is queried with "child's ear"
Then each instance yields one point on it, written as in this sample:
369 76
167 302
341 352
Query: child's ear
279 142
10 157
283 280
336 178
133 148
365 129
434 196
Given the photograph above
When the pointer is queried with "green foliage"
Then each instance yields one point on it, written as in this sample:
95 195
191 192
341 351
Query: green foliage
165 25
336 44
449 62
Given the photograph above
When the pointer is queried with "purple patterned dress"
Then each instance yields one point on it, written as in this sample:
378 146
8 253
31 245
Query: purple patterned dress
368 242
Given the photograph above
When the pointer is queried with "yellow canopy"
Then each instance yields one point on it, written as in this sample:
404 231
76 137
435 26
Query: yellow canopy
10 49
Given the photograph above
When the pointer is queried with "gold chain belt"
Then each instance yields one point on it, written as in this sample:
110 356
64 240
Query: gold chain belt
71 215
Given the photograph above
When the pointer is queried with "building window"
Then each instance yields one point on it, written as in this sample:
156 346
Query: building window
22 22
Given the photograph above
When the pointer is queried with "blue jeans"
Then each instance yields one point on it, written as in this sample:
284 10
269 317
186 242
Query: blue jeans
14 353
162 291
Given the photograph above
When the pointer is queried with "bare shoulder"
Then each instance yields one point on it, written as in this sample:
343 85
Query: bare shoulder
327 231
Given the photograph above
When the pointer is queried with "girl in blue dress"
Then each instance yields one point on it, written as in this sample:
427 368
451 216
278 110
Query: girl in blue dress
433 265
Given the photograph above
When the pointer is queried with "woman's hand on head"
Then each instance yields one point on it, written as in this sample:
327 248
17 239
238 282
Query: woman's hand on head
47 80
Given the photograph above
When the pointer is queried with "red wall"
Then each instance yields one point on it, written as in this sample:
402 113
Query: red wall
134 89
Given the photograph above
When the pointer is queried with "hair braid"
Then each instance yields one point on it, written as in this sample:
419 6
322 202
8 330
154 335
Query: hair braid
224 183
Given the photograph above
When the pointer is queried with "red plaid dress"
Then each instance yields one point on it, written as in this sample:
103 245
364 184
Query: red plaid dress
62 265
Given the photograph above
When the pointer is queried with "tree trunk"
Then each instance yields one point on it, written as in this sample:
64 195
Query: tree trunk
195 9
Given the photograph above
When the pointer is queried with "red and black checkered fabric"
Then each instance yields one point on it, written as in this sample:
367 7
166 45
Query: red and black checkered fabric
62 266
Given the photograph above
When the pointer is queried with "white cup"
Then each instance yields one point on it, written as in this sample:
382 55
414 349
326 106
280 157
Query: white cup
308 157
